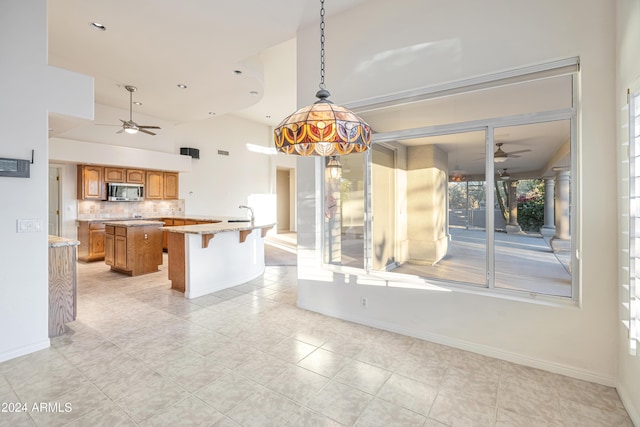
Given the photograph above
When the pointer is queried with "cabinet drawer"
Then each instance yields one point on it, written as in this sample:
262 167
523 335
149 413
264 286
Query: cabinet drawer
109 229
121 231
96 226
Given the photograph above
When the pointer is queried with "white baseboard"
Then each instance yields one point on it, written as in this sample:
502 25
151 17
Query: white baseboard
21 351
496 353
633 411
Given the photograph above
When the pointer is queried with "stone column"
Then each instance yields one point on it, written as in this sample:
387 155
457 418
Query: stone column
512 225
427 193
549 227
562 239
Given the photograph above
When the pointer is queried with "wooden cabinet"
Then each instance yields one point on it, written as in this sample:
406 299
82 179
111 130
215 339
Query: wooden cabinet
135 176
115 242
91 184
131 176
159 185
109 254
92 245
134 250
154 185
112 174
170 191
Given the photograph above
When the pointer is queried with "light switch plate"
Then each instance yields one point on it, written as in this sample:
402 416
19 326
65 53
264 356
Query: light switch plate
28 226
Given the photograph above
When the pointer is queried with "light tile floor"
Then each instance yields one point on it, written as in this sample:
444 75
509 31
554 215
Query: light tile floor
141 354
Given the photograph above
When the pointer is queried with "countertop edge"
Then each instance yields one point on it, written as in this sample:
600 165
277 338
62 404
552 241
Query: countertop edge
220 227
59 242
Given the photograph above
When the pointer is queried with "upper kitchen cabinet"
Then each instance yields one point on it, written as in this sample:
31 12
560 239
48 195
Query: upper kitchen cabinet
91 183
131 176
114 174
154 188
170 191
135 176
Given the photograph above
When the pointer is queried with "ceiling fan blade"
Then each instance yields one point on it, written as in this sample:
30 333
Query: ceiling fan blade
105 124
517 152
148 127
140 129
120 131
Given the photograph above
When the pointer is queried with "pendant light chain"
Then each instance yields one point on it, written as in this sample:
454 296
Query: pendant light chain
322 85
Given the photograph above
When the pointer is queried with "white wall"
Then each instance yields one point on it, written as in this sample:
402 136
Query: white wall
29 89
423 43
218 184
628 44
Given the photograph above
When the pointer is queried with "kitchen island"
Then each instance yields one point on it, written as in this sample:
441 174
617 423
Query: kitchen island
206 258
133 247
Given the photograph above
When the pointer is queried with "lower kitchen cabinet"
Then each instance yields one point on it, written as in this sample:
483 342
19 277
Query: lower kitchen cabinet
91 237
133 249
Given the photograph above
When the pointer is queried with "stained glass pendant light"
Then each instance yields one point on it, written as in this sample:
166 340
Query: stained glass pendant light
322 128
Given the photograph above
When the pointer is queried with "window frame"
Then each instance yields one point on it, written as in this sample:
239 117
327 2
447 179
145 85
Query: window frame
568 66
632 291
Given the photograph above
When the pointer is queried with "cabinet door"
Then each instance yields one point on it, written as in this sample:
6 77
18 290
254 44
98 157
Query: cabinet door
120 252
91 182
113 174
135 176
109 249
170 185
96 243
154 187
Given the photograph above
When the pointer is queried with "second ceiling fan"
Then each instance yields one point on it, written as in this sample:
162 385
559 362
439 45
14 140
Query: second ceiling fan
500 155
129 126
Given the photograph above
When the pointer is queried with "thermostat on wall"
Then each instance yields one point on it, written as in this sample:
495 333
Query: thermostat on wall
14 167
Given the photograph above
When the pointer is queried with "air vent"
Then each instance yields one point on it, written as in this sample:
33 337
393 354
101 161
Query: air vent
223 153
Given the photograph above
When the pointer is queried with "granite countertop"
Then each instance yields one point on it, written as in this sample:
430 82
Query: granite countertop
134 223
218 227
160 217
57 242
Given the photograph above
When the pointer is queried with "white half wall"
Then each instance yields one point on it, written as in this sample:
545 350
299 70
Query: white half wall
422 45
26 84
83 152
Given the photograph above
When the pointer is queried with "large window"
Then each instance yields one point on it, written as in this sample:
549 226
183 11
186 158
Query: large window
473 188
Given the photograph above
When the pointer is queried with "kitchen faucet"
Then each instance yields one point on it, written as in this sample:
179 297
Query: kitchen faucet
253 217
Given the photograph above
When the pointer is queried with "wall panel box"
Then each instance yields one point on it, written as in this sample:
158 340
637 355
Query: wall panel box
193 152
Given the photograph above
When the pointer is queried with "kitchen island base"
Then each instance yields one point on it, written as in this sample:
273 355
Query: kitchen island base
207 262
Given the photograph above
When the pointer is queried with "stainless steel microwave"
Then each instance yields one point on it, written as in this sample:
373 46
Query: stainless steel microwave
120 192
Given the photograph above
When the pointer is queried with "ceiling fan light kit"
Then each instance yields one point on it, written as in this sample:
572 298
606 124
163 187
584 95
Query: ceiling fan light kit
501 156
129 126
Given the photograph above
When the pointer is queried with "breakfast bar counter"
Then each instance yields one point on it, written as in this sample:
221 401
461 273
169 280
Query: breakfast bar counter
206 258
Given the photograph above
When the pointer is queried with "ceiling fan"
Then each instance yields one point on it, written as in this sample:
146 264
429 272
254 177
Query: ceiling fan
501 156
129 126
504 174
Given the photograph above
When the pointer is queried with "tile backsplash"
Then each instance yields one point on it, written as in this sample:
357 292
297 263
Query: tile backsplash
89 209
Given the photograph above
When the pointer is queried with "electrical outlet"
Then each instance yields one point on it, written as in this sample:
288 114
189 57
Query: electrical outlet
364 302
28 226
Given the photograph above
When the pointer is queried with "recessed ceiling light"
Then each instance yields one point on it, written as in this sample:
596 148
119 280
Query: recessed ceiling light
182 86
237 72
211 113
253 93
137 103
268 116
97 26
